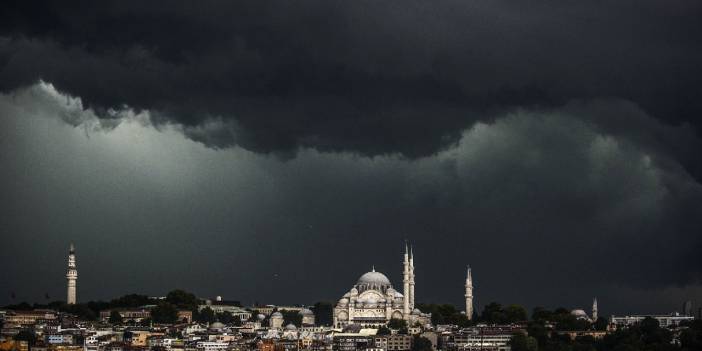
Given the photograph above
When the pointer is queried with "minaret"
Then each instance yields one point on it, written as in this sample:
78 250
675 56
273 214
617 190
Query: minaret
469 295
594 309
411 282
71 276
406 285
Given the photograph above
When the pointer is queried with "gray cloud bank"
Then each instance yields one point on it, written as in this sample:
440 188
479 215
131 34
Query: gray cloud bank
549 205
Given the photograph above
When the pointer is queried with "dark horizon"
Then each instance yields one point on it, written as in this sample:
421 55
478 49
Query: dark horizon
274 151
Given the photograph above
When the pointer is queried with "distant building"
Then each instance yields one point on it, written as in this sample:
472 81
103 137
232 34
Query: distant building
32 317
268 309
665 320
486 338
128 314
232 307
351 342
393 342
59 339
185 316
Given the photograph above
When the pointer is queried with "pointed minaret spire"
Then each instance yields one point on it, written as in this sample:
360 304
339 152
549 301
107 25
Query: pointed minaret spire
406 284
373 268
411 279
594 309
469 294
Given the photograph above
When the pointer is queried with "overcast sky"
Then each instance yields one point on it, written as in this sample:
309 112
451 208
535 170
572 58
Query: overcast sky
275 151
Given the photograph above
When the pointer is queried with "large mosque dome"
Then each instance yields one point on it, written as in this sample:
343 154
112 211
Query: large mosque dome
373 278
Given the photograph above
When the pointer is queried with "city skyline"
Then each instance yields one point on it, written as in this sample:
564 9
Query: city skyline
270 151
469 306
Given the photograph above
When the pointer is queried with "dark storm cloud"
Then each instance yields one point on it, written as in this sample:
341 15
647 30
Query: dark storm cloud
552 145
540 199
374 77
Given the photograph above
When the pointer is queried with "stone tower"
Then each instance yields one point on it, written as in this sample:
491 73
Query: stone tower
469 295
594 309
71 276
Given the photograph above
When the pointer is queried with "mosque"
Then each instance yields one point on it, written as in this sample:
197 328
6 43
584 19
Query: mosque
372 301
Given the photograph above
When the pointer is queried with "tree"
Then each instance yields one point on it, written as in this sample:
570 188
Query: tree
323 312
205 315
131 300
515 313
420 343
115 317
183 299
522 342
22 306
383 330
691 338
445 314
291 317
254 315
396 323
601 324
541 314
226 317
164 312
493 314
537 330
82 311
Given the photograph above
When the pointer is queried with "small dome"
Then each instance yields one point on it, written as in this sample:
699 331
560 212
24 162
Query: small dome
276 314
306 312
217 325
580 314
290 327
373 278
416 311
261 316
343 301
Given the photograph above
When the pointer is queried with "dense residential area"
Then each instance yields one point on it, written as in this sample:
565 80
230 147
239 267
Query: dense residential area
180 321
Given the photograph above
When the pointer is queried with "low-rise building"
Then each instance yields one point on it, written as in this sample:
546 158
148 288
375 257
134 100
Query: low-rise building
393 342
128 314
486 338
30 317
665 320
65 339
